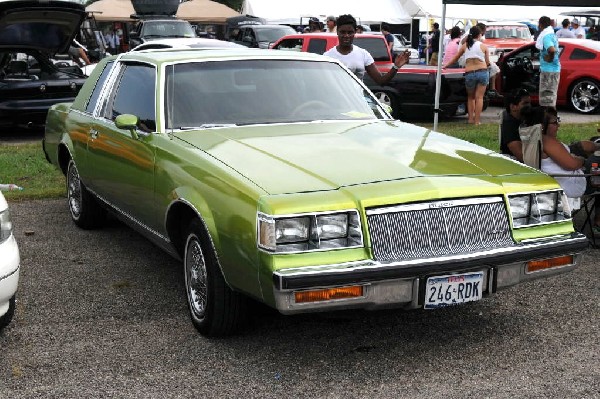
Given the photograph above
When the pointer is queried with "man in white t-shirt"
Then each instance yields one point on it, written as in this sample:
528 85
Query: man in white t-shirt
357 59
579 31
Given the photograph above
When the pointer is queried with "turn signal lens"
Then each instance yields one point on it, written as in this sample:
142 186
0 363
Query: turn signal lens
537 265
329 294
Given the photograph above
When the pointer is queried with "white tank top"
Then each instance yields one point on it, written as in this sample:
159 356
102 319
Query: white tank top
475 52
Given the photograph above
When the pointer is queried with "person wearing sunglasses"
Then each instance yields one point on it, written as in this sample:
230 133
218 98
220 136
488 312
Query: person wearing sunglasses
510 140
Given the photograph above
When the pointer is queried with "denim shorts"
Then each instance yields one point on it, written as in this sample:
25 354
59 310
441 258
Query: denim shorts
478 77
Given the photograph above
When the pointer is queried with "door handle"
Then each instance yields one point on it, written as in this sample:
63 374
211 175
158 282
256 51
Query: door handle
93 133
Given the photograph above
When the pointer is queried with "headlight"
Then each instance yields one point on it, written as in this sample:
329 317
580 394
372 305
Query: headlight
5 226
309 232
537 208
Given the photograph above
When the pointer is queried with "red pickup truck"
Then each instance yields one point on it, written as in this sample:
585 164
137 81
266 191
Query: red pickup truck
411 93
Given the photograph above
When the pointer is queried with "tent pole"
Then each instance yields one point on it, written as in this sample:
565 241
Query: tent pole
438 76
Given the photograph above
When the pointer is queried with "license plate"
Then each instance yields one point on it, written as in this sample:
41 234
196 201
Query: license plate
453 289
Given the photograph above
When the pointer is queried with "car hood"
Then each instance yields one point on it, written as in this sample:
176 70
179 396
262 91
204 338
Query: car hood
47 26
506 43
320 156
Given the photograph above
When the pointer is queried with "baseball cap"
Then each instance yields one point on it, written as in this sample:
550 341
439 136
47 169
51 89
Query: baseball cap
575 21
330 18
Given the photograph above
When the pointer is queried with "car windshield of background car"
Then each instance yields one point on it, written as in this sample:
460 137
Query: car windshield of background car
377 47
169 29
244 92
508 32
272 35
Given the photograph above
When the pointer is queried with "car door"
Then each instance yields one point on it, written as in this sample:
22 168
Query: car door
122 163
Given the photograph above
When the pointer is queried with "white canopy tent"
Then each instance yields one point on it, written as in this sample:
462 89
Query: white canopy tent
491 5
290 12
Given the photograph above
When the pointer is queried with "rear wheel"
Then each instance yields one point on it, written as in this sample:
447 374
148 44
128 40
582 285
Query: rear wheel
85 210
215 309
387 99
584 96
6 319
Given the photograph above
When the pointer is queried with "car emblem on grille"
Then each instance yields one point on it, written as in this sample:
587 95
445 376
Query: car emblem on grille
73 86
441 204
42 88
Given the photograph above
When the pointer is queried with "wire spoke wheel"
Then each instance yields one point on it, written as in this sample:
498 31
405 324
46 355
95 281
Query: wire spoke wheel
196 278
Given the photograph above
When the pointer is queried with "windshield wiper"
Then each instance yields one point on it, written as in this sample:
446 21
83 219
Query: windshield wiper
207 126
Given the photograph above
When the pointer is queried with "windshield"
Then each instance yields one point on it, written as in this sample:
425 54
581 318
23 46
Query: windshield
168 29
273 34
242 92
508 32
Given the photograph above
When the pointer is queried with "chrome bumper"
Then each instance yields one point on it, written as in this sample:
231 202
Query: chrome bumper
401 284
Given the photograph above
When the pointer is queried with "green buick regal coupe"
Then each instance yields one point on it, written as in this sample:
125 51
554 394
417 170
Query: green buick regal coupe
278 176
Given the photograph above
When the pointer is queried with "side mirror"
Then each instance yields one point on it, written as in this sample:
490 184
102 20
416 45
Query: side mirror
128 122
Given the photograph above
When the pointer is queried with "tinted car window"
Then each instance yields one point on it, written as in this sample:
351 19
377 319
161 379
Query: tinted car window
375 46
317 46
135 95
580 54
290 44
99 84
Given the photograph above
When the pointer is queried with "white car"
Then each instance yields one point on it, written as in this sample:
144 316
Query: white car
191 42
9 265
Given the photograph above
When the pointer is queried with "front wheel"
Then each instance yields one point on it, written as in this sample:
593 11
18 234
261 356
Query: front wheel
85 210
7 317
584 96
215 309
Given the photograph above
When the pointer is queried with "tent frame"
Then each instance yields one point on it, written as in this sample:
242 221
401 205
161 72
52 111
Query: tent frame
556 3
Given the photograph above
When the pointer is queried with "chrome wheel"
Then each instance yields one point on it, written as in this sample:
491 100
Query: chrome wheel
585 96
196 277
384 98
74 191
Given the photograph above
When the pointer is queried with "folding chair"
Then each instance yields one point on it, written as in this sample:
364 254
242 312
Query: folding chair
531 139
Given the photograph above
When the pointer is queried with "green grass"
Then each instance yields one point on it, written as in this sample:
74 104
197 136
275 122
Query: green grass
26 166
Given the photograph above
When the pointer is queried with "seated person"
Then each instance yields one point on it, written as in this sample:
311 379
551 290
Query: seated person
510 142
559 159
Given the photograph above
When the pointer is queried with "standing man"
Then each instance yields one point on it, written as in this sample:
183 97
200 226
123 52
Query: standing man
357 59
579 31
389 38
565 32
547 43
435 44
330 28
112 41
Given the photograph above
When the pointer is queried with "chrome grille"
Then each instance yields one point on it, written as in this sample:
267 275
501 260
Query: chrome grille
439 228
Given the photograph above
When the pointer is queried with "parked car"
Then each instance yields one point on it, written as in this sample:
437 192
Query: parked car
401 44
410 94
579 85
30 82
195 42
258 35
9 266
278 176
504 37
147 30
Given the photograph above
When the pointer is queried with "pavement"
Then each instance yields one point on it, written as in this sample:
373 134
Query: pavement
103 314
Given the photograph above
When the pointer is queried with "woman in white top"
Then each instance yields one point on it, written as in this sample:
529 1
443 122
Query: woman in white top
477 76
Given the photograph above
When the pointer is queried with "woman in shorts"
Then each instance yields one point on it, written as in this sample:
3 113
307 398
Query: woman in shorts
477 76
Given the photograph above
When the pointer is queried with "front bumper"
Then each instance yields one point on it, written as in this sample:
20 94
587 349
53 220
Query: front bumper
401 284
9 272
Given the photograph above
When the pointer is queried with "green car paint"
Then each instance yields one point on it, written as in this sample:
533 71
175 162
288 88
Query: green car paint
225 176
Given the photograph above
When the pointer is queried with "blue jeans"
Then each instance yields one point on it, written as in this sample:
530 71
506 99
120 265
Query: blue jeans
477 77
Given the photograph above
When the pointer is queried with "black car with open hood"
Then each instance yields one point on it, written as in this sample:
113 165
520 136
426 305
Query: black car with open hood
31 33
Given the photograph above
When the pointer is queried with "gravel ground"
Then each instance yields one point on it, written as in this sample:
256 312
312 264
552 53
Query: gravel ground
102 314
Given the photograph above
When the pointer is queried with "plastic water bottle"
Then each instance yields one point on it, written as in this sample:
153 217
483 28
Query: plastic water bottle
595 175
14 187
